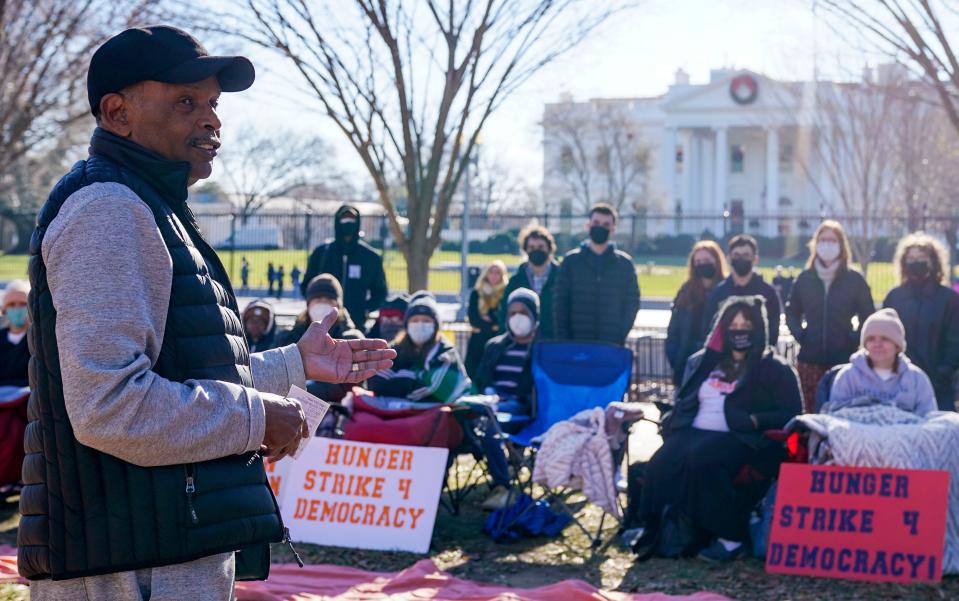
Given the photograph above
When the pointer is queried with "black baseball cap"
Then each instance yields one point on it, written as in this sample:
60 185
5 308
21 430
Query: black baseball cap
160 53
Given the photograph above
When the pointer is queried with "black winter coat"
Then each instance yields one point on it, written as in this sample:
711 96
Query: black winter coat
828 337
359 269
931 316
684 336
483 331
768 390
13 361
756 285
597 296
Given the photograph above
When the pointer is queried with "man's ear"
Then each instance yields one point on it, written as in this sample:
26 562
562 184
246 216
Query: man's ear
114 115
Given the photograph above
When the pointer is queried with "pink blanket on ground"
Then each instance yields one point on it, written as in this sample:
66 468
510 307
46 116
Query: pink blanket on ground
423 580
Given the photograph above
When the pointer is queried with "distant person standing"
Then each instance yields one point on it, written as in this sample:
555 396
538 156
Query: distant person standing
271 277
295 274
357 266
743 256
483 312
819 313
538 273
684 335
597 294
245 273
280 276
929 310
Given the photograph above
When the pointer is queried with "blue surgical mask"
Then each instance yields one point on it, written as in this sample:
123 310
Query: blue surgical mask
17 316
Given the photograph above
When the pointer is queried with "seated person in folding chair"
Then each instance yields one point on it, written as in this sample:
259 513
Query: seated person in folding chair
733 390
505 371
427 368
880 373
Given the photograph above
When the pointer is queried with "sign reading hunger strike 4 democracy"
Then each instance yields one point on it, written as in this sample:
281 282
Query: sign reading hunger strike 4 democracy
859 523
363 495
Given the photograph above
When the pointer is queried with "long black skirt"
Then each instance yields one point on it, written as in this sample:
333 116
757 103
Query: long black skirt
695 471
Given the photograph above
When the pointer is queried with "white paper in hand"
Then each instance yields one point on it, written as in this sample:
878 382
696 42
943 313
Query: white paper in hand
314 409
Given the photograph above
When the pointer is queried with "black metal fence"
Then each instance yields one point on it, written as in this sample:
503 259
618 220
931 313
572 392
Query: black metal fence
658 242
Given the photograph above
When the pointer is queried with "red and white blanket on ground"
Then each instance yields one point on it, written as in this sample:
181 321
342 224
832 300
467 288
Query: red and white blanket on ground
423 580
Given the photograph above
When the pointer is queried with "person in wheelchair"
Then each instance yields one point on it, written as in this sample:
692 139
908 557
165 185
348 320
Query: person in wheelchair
427 368
506 372
734 389
880 373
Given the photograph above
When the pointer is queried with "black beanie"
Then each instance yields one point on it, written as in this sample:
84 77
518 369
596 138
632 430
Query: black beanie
528 298
422 304
324 285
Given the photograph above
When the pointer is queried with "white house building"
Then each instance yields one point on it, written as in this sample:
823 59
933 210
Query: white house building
729 145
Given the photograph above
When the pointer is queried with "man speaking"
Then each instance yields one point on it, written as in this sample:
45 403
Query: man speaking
148 414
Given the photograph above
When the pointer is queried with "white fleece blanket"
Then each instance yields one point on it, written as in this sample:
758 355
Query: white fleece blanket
885 436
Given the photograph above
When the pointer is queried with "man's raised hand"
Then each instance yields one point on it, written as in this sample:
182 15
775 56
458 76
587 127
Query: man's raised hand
341 361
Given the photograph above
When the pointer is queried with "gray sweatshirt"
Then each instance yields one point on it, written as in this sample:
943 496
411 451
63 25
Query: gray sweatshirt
858 384
110 276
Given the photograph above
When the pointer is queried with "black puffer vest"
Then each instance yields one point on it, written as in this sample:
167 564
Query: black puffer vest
85 512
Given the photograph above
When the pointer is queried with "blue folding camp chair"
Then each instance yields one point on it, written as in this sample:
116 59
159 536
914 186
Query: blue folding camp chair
568 377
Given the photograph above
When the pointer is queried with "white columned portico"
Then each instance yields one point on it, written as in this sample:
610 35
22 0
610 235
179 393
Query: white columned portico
722 168
772 180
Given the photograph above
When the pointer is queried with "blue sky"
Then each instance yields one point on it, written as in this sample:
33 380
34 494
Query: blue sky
636 55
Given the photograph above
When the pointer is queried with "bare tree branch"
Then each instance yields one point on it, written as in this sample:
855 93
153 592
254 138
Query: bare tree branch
411 85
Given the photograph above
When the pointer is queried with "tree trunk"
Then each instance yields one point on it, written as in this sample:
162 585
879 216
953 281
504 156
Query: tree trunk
418 264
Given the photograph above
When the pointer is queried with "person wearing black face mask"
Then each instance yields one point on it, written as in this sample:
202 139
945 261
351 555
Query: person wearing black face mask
743 256
597 293
538 273
354 263
734 389
929 310
684 336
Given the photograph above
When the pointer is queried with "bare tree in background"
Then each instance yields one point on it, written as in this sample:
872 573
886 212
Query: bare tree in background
922 32
45 47
262 166
850 155
497 188
411 84
601 153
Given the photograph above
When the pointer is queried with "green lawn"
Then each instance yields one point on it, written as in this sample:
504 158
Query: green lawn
659 277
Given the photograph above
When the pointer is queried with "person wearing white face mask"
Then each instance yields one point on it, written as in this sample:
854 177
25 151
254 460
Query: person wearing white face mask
427 367
323 295
822 304
506 371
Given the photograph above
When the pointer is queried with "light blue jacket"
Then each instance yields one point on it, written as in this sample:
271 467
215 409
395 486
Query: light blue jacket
858 384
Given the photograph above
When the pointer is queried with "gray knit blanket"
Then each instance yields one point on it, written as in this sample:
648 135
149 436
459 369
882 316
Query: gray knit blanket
885 436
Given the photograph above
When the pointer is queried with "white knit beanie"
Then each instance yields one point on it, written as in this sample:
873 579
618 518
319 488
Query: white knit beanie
885 323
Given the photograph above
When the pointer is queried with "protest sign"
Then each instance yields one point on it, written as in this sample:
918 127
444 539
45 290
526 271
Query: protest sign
363 495
276 474
876 524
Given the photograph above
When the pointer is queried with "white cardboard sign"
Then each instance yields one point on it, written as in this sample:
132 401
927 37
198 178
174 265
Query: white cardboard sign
363 495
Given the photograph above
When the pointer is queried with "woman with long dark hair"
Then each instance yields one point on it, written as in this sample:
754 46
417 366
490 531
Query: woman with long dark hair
735 389
706 266
822 304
